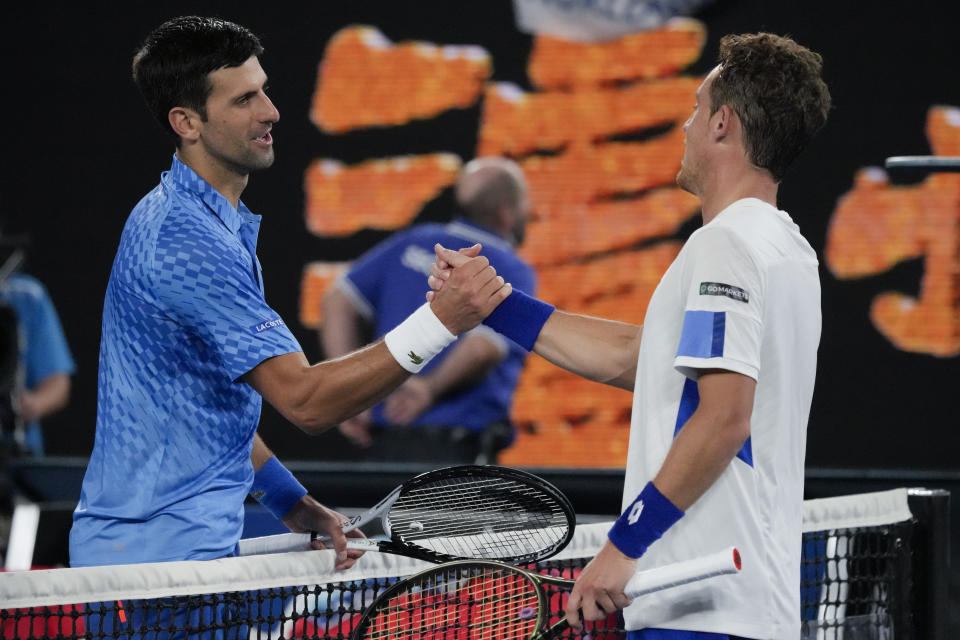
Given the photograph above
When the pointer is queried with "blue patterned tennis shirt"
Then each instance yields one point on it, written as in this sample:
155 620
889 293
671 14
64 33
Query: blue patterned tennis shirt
184 318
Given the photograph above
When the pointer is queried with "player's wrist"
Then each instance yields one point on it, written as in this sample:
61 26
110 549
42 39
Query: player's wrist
276 489
416 340
643 522
521 318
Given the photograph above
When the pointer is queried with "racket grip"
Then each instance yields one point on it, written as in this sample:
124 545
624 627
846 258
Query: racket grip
680 573
286 542
281 543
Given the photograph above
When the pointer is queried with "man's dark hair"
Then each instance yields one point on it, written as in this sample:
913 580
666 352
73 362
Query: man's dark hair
774 86
171 66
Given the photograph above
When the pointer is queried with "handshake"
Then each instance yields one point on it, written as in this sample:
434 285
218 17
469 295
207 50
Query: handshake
464 291
512 313
464 288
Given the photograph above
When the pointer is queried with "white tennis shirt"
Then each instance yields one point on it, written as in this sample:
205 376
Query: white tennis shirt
742 295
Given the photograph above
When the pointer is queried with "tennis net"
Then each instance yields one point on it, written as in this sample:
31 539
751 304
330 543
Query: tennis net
863 567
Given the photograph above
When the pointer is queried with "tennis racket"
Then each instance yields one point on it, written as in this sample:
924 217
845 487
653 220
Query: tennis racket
467 600
462 512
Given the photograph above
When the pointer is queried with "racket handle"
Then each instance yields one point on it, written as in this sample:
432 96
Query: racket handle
679 573
286 542
280 543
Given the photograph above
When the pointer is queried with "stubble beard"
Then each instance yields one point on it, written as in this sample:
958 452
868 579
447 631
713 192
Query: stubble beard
252 161
685 180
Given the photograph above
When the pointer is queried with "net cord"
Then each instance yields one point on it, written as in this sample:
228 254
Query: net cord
54 587
860 510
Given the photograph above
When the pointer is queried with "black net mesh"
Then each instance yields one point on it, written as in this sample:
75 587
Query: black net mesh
855 583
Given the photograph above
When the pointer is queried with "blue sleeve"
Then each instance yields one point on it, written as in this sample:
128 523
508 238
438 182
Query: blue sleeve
209 288
366 275
47 351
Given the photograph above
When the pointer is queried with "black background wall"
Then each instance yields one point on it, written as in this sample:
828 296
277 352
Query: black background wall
81 150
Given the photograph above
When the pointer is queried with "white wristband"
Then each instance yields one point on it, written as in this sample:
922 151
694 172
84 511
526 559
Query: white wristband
416 340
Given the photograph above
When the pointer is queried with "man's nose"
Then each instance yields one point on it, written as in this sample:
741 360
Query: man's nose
270 114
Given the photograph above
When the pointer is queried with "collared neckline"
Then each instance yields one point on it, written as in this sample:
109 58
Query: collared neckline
187 178
470 230
755 203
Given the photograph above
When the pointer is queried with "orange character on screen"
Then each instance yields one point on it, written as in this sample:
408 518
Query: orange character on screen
600 141
876 225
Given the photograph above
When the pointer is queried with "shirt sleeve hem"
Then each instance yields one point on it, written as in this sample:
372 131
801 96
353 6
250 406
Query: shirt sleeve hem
360 302
690 367
262 357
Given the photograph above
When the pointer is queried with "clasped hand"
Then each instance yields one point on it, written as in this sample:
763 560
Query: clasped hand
465 289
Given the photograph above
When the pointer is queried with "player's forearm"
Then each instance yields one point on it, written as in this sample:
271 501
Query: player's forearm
320 396
323 395
699 455
468 361
597 349
260 452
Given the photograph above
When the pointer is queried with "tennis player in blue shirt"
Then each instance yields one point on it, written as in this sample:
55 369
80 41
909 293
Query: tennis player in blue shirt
190 346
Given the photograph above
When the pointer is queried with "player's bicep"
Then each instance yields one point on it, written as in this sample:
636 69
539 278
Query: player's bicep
282 381
727 396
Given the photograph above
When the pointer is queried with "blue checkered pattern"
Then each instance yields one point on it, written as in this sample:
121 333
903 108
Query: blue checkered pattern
184 318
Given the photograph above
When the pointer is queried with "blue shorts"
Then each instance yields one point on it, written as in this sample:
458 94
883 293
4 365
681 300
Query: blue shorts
672 634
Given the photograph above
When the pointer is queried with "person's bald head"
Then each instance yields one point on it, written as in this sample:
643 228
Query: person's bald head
492 191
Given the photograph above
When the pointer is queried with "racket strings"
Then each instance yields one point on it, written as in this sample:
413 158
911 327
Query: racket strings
480 517
519 502
466 603
504 544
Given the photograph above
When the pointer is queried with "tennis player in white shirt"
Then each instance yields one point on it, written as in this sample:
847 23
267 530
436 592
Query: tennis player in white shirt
722 369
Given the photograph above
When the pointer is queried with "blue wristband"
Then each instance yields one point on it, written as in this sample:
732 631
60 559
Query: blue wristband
275 488
520 317
644 521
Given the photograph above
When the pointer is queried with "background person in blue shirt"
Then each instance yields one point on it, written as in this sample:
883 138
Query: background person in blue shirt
40 363
190 347
458 408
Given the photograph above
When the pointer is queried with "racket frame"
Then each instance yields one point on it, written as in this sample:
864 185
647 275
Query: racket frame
454 568
724 562
401 545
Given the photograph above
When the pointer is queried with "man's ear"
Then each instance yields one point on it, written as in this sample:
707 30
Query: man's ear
721 122
505 215
185 123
